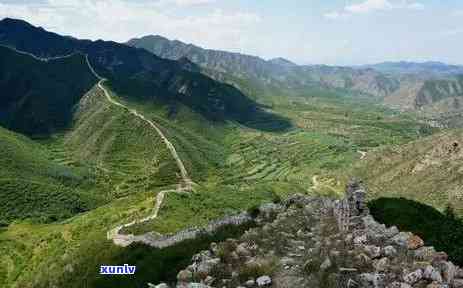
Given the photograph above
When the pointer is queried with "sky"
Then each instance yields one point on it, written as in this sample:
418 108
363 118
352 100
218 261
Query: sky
334 32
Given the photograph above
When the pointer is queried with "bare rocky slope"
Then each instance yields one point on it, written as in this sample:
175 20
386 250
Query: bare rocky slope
319 242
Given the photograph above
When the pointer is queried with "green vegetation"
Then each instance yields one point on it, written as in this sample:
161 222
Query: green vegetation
32 186
442 230
37 96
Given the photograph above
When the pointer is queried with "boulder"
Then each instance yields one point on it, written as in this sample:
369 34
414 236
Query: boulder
372 251
184 276
326 264
399 285
389 251
264 281
425 253
413 277
415 242
458 283
432 274
448 271
382 265
250 283
401 239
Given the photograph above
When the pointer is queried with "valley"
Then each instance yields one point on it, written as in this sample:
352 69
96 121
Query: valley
115 141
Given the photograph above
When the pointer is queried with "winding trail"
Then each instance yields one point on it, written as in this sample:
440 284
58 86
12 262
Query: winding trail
186 184
363 154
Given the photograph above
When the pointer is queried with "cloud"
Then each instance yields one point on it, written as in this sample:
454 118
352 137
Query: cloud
121 20
186 3
369 6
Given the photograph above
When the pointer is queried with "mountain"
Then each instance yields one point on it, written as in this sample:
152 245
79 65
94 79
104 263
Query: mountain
282 75
430 87
137 73
282 62
429 69
38 97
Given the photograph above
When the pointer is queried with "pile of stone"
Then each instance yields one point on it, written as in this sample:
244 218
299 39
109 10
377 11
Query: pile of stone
318 242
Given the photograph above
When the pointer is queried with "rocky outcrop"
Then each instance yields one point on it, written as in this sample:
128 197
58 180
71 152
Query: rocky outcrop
319 242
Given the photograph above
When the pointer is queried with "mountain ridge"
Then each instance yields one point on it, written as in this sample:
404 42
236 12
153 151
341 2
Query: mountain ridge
138 73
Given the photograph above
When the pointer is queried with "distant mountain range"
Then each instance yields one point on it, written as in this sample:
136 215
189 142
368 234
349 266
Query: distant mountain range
136 72
430 69
431 86
280 73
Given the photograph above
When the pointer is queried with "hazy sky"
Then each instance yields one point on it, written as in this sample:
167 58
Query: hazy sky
306 31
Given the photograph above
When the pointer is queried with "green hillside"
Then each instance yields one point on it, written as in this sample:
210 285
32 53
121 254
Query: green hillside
33 186
38 96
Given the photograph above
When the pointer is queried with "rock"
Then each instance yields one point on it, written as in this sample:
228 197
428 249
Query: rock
432 274
250 283
209 280
214 248
391 232
413 277
399 285
207 266
439 257
359 240
352 284
326 264
401 239
389 251
184 276
374 280
437 285
458 283
362 260
264 281
459 273
197 285
242 251
372 251
415 242
425 253
382 265
448 271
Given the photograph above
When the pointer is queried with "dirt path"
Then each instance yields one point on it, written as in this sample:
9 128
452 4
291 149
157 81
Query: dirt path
186 184
363 154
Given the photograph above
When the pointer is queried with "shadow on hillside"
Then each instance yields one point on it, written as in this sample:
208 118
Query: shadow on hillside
215 101
441 230
160 265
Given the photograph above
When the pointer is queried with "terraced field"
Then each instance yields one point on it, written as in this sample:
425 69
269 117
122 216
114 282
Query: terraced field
236 168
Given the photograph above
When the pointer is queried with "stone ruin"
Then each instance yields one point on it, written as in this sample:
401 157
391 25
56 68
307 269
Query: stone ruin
321 242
